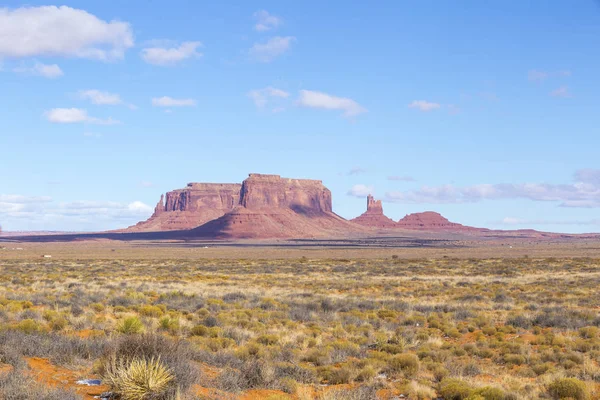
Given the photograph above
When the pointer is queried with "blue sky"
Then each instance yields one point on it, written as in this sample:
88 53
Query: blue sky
484 111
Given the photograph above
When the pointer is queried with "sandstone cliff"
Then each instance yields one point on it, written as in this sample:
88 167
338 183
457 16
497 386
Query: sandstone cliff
191 206
275 207
374 216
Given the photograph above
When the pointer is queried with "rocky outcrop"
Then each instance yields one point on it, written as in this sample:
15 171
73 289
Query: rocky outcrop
273 191
275 207
430 221
191 206
374 216
263 206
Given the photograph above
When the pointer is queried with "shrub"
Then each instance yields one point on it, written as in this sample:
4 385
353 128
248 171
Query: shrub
455 389
268 340
130 326
407 363
366 374
490 393
28 326
150 311
568 388
139 379
58 324
589 332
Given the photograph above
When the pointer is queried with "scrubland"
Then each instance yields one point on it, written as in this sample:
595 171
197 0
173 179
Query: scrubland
445 328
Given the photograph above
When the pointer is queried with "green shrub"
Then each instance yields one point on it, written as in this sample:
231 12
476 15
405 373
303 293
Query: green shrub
407 363
28 326
490 393
589 332
366 374
455 389
267 340
568 388
150 311
130 326
58 324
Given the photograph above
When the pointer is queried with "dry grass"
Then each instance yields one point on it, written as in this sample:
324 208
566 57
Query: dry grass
486 328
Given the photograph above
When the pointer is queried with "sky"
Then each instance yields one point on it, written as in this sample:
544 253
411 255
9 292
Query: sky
486 112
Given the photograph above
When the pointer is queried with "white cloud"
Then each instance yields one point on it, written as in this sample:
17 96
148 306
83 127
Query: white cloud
98 97
46 214
167 101
61 31
588 175
171 56
75 115
423 105
260 97
266 21
103 98
562 91
19 199
46 70
271 49
361 190
146 184
312 99
583 193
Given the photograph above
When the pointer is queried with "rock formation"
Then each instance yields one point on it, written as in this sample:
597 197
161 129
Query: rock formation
374 216
263 206
191 206
269 206
274 207
430 221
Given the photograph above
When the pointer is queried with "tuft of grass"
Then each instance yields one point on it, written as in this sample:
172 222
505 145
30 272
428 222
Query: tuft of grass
130 326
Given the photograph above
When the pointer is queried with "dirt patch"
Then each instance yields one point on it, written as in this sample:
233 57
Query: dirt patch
45 372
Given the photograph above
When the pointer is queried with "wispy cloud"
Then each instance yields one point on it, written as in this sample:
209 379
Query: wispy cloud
103 98
361 190
529 222
51 71
75 115
61 31
271 49
562 91
584 192
167 101
167 57
536 75
423 105
261 97
266 21
356 171
43 210
313 99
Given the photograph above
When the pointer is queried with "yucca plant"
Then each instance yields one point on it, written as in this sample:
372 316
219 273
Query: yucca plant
139 379
130 326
